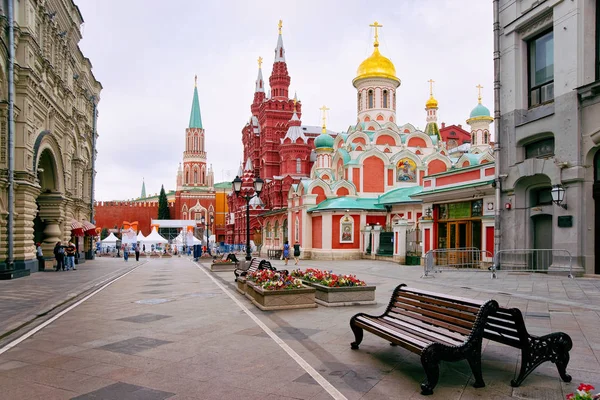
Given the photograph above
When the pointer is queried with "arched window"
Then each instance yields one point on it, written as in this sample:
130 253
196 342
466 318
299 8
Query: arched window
370 98
394 105
385 99
184 215
297 229
298 166
276 232
359 101
268 230
187 177
195 176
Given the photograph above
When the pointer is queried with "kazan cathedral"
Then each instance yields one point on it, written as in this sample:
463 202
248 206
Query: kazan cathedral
382 188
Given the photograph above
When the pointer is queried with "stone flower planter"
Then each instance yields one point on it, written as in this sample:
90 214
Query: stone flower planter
268 300
343 296
241 285
219 267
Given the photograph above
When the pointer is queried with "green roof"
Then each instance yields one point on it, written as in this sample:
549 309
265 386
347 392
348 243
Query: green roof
400 195
448 189
432 130
348 203
223 185
195 118
345 155
143 196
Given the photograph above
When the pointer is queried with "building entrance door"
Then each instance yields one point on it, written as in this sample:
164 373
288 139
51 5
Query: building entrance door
542 239
458 238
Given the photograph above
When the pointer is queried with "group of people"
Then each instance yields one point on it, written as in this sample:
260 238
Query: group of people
65 256
286 252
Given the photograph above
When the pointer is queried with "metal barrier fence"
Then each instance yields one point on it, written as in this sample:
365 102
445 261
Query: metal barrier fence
532 260
439 260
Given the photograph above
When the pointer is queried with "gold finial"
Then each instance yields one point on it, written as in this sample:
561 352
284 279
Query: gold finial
376 25
324 109
196 81
260 62
479 87
431 81
279 25
295 101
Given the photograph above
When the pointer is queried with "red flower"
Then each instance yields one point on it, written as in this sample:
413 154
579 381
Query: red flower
585 387
570 396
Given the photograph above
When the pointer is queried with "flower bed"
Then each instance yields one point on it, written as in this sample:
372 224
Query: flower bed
334 290
584 392
271 290
241 285
219 266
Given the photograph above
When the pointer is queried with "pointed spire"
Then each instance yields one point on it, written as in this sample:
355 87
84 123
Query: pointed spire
240 171
195 118
249 166
143 196
324 127
479 87
295 116
260 83
279 50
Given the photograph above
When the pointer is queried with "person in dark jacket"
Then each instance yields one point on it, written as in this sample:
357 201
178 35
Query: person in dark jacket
71 250
296 252
59 255
137 252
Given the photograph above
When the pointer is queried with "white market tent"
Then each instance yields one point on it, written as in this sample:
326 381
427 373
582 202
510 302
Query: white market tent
179 240
140 237
109 241
154 238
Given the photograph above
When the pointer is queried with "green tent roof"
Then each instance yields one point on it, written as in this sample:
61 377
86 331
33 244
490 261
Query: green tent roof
348 203
400 195
195 118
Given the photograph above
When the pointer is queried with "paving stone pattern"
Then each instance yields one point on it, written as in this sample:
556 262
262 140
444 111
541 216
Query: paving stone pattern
194 342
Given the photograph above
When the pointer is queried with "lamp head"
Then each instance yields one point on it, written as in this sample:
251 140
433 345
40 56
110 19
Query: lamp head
237 185
258 185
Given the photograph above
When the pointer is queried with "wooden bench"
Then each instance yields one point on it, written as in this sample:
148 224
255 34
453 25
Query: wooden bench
435 326
507 326
274 254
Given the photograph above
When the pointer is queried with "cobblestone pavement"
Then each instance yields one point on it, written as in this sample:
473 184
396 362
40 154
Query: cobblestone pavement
169 331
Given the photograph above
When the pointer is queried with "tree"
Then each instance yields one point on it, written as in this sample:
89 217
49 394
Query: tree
104 233
163 205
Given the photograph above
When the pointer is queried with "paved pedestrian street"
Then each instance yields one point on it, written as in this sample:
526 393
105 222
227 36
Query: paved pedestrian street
171 329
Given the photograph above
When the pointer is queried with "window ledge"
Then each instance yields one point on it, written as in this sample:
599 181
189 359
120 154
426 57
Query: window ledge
535 113
589 91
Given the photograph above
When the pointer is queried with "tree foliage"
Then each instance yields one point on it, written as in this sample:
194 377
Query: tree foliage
163 205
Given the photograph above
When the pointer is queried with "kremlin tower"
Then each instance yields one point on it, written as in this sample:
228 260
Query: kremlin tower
479 121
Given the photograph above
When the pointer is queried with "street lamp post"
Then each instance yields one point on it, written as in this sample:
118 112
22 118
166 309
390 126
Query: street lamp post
237 187
206 226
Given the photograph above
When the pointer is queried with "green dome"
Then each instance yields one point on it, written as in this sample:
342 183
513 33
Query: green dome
480 111
324 141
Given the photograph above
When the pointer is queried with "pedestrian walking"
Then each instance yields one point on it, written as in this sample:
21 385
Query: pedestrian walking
59 255
40 256
286 252
125 252
70 251
296 251
144 248
137 253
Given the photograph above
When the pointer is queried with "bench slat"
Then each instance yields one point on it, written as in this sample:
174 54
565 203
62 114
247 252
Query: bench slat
433 321
436 315
445 310
429 327
397 334
462 300
423 331
435 300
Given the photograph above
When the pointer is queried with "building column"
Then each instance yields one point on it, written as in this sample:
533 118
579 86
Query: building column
400 236
375 246
327 231
366 233
25 211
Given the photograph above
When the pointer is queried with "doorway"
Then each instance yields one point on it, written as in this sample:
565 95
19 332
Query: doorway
542 239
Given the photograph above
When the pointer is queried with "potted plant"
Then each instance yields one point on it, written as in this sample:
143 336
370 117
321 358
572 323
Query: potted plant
334 290
272 290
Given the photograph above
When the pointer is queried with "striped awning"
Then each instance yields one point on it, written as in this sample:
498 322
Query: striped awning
89 228
77 228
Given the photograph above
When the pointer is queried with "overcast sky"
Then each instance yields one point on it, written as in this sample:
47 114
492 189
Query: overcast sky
146 53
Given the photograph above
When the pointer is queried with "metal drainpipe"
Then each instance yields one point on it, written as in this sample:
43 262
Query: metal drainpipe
11 134
93 180
497 131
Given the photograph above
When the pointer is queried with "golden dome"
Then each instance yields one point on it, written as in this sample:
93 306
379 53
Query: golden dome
376 66
431 103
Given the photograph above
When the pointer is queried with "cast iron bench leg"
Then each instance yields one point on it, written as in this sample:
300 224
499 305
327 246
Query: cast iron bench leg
431 365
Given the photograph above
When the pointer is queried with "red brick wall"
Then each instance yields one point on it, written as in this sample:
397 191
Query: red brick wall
435 167
335 232
111 214
317 229
373 175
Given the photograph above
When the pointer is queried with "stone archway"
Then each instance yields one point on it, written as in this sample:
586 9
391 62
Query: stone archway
50 202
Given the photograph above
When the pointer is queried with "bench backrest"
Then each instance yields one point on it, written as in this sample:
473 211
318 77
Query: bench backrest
507 326
457 318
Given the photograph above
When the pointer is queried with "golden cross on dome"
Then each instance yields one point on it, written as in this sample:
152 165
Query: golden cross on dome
279 25
376 25
431 86
260 62
196 81
324 109
479 87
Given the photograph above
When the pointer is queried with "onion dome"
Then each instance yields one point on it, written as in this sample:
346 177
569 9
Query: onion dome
431 103
480 112
376 65
324 141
